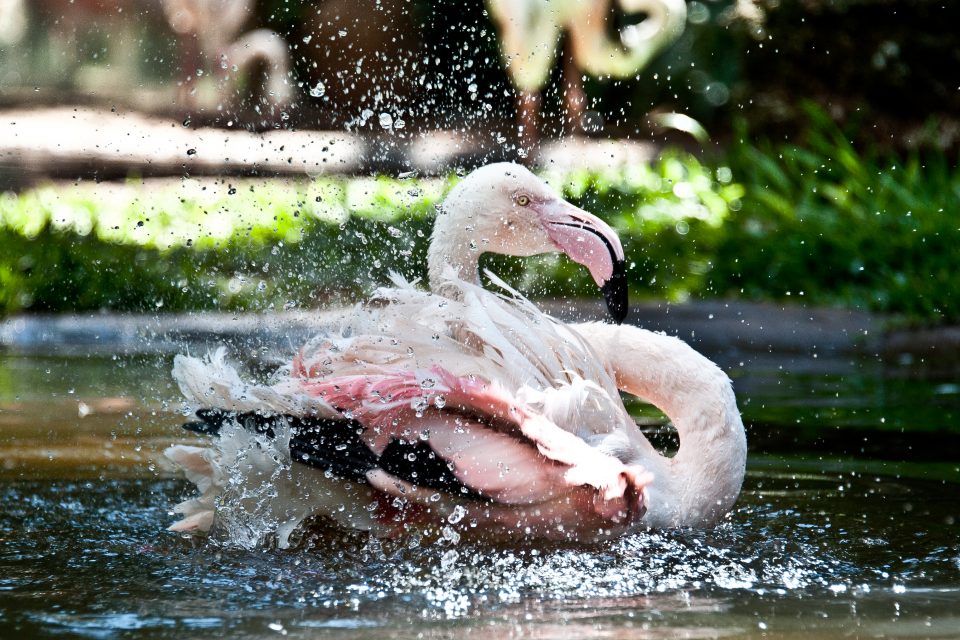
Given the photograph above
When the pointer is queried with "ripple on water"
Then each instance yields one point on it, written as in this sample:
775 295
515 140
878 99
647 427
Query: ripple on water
93 559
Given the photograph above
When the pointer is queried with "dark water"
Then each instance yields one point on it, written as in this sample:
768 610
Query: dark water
834 536
827 553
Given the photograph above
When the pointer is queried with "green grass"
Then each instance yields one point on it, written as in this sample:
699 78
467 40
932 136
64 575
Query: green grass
200 246
835 225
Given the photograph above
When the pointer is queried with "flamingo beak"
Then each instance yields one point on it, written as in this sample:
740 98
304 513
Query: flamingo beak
590 241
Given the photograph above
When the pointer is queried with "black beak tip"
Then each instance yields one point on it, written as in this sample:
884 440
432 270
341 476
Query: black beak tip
615 292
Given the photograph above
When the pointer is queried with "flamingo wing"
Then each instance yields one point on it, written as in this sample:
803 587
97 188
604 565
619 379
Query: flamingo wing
439 402
482 446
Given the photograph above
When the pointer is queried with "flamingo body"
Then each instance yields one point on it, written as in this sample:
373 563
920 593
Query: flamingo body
466 407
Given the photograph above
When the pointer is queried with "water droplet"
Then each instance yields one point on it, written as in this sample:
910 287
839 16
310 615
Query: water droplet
449 559
317 90
386 120
419 405
457 515
450 535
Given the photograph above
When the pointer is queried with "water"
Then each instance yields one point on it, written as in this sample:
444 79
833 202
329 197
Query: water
834 536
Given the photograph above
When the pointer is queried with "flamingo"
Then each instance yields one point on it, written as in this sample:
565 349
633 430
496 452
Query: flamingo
466 410
530 30
210 35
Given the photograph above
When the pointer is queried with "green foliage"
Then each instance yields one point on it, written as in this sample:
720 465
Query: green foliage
837 225
823 223
199 246
189 247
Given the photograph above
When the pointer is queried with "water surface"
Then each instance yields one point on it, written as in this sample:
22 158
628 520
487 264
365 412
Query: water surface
833 536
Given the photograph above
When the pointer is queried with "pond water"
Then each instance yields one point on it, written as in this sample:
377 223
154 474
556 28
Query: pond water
849 525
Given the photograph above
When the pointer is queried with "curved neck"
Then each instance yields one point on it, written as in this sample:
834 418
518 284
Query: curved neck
600 55
266 46
452 247
702 481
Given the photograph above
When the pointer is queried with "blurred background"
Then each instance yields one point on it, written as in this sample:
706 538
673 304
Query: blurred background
749 149
892 64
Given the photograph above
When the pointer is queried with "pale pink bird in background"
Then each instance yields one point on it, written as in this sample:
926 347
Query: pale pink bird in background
532 30
210 37
464 408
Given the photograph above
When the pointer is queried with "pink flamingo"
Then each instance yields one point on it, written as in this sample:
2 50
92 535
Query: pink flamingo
469 411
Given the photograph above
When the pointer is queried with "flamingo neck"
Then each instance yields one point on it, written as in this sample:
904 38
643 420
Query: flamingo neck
701 482
598 54
667 21
453 248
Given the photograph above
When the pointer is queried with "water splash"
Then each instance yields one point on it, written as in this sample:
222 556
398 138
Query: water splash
774 557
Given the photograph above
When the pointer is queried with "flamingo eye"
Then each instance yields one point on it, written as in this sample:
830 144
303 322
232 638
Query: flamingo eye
523 200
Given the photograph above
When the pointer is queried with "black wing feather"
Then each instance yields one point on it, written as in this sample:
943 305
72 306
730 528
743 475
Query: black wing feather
336 445
419 464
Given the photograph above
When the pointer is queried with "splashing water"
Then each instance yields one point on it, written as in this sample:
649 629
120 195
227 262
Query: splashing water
795 544
863 548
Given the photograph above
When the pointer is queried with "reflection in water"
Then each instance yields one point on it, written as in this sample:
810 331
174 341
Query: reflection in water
869 549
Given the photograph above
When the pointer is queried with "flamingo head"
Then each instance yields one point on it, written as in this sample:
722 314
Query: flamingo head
506 209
